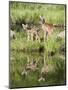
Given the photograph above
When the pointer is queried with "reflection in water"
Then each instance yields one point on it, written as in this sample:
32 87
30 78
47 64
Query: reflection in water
44 70
30 66
36 69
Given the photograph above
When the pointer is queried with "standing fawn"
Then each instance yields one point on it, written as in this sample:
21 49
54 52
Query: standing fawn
31 33
47 28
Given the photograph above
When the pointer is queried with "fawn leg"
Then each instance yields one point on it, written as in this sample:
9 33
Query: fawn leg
28 36
46 35
38 38
32 36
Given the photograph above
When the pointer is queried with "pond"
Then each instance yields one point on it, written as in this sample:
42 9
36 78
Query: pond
36 69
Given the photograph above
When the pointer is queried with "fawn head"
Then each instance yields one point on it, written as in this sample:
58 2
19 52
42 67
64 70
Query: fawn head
42 19
24 26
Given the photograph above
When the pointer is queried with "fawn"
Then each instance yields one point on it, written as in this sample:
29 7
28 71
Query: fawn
31 32
47 28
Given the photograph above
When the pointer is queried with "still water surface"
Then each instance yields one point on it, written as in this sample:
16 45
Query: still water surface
36 69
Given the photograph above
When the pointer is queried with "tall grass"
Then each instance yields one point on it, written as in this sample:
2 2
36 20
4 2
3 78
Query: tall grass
51 44
20 48
29 13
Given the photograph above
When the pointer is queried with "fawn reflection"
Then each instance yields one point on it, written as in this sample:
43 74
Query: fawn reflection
38 65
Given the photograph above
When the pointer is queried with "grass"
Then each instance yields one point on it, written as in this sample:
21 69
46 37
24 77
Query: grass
29 13
24 13
21 49
21 43
55 77
24 49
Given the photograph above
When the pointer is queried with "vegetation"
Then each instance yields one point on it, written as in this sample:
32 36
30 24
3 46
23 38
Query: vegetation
19 60
20 48
29 13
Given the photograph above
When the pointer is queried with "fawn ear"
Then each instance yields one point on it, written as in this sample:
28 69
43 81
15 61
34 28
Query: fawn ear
26 25
22 24
42 19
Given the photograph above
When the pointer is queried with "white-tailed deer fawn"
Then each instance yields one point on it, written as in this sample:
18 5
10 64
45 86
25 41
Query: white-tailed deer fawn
47 28
31 33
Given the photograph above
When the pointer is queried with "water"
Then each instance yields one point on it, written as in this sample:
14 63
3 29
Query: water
36 69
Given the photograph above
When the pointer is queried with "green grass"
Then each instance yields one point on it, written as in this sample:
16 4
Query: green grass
18 61
55 77
21 49
21 43
22 12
